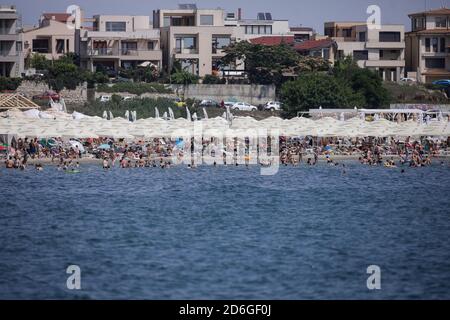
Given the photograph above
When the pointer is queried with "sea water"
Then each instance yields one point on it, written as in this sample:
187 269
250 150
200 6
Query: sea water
226 233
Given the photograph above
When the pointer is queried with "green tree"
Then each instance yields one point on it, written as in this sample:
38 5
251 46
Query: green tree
184 77
365 82
39 62
314 90
210 79
272 64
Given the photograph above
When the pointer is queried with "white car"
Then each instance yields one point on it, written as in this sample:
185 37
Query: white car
242 106
408 80
105 98
273 106
127 98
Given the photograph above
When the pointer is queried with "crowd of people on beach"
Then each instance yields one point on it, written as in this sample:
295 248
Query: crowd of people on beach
165 153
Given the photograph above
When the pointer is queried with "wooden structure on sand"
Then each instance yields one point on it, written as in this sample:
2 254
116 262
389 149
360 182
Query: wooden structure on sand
16 101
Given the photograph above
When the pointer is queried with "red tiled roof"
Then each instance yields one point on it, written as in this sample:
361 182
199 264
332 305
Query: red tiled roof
273 40
443 11
313 44
61 17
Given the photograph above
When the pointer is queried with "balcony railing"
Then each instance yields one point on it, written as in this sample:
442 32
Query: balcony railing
135 52
186 51
103 52
7 53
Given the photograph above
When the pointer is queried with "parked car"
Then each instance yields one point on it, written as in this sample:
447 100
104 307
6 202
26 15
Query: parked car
127 98
209 103
408 80
47 95
442 83
243 106
273 106
105 98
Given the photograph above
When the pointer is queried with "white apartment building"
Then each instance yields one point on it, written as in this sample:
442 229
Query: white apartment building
193 37
115 42
263 25
11 58
51 38
382 50
428 46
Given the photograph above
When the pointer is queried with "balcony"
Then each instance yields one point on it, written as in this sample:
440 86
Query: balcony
385 63
126 54
186 51
385 45
103 52
140 54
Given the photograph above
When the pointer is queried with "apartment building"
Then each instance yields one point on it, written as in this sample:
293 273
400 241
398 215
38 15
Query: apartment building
11 59
193 38
381 50
302 33
263 25
114 42
428 45
51 38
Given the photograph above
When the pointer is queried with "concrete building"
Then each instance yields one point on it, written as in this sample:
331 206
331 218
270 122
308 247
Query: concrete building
114 42
263 25
302 33
381 49
428 46
193 38
51 38
11 58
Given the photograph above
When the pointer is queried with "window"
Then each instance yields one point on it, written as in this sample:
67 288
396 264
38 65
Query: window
59 46
220 43
427 44
41 46
166 22
129 48
442 45
441 22
390 36
360 55
258 29
116 26
151 45
362 37
435 63
347 33
206 20
418 24
19 46
381 54
178 45
189 43
329 32
435 44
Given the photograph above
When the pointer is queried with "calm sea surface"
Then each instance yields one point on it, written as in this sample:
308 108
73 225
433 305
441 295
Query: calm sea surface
225 233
